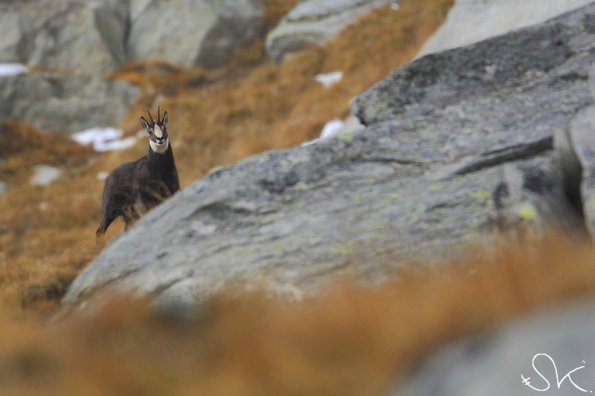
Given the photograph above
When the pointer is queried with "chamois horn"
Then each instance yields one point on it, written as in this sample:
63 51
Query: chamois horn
150 116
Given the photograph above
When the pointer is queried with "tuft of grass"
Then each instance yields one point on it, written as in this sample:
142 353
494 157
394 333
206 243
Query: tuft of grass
24 146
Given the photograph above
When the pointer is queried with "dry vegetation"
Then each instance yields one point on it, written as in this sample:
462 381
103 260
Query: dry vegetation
348 341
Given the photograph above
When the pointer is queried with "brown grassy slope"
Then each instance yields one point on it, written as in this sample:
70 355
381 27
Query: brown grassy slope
349 341
39 226
216 118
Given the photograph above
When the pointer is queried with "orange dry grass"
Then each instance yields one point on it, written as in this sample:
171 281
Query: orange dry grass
349 341
39 227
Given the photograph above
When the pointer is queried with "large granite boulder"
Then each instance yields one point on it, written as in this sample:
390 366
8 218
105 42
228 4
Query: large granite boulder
315 21
520 358
470 21
10 34
65 102
193 32
455 141
64 34
102 35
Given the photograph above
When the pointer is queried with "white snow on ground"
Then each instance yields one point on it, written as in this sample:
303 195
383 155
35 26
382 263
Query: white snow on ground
12 69
104 139
336 127
115 145
328 79
331 128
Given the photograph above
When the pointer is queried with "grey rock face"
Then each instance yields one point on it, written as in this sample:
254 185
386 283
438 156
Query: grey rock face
9 35
82 37
64 34
315 21
98 36
193 32
582 144
534 66
492 365
470 21
575 149
65 103
444 134
530 199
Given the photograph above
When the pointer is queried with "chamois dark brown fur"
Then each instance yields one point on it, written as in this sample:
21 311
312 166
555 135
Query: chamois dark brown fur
135 187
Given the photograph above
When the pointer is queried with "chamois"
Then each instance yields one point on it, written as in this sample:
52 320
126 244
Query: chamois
135 187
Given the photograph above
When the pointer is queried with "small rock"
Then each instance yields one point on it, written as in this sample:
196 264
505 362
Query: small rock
44 175
3 188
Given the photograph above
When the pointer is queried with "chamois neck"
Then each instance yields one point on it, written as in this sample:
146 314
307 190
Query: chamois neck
160 158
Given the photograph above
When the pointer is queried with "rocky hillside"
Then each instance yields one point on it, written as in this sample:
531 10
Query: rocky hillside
457 144
480 146
51 185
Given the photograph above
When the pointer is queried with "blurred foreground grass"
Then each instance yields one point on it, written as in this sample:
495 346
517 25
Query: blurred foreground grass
350 340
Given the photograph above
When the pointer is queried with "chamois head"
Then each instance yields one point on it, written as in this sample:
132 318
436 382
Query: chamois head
157 131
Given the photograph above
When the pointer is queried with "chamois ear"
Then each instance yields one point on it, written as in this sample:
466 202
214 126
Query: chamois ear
144 123
165 118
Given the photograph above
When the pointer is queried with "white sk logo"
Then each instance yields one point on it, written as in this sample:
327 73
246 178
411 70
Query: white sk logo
559 381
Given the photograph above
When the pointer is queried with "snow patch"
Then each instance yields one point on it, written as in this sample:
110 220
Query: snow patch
12 69
331 128
329 79
104 139
337 127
